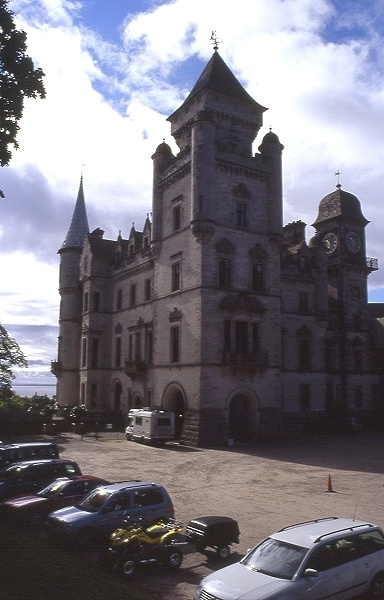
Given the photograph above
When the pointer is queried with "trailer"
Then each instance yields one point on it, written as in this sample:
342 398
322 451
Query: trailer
146 425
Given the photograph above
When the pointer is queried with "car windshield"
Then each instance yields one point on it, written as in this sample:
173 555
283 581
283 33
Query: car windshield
275 558
93 501
52 489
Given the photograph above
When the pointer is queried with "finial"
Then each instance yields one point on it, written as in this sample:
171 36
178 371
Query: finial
215 41
337 173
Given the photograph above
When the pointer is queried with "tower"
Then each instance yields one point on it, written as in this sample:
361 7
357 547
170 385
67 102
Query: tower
340 225
66 368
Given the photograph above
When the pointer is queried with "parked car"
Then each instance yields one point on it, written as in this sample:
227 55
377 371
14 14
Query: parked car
13 453
33 508
327 558
30 476
105 509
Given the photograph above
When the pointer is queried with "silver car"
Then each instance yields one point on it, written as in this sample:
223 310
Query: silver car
326 558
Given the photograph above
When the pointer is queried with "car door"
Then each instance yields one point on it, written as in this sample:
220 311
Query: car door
329 572
113 513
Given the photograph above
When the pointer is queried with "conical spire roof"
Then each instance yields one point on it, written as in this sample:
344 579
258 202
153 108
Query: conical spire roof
218 77
79 227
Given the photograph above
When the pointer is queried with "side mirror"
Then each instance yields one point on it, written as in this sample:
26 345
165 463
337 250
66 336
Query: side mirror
310 573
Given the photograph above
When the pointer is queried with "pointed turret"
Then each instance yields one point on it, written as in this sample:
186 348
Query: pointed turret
79 227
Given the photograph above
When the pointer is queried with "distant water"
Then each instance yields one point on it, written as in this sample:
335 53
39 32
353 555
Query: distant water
31 390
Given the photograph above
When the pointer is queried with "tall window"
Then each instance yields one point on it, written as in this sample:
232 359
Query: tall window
241 337
85 302
224 272
130 348
303 302
241 214
119 299
149 347
257 276
132 294
176 270
147 289
227 335
96 301
84 353
94 395
176 218
137 345
255 338
304 350
118 352
95 352
175 344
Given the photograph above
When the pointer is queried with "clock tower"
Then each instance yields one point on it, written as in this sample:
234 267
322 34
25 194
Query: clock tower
340 228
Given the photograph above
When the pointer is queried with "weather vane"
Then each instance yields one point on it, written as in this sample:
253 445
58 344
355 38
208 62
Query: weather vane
215 41
337 173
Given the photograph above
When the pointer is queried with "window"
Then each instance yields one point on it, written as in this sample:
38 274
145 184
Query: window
96 301
145 244
132 294
95 352
304 349
94 395
305 397
176 215
241 337
224 272
241 214
175 344
147 289
85 302
358 397
119 299
257 277
227 335
118 352
84 353
175 276
137 345
255 338
303 302
149 347
130 348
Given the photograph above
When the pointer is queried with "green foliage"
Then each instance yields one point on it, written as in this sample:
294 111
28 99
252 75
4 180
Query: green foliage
18 80
78 413
10 356
11 401
44 405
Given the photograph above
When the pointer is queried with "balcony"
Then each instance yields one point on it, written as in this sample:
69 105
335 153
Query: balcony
135 368
372 263
249 364
56 367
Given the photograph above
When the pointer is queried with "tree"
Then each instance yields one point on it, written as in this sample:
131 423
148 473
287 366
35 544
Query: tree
18 80
10 356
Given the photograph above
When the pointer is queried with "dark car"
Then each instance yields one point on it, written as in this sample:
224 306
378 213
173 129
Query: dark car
33 508
30 476
14 453
105 509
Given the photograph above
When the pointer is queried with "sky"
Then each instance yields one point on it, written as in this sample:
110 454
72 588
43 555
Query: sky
116 69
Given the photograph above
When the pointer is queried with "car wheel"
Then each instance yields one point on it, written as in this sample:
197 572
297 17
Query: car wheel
35 522
376 589
174 558
128 568
223 552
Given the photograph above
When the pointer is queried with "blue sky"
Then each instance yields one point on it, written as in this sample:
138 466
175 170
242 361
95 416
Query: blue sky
115 69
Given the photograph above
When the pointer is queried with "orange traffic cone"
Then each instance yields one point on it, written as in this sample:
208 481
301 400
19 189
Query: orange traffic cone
329 487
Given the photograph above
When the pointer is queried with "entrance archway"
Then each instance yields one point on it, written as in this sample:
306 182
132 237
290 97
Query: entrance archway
242 418
174 400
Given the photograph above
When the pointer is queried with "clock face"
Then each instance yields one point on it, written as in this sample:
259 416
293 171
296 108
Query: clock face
353 241
330 242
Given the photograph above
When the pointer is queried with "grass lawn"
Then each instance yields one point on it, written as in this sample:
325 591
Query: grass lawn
33 569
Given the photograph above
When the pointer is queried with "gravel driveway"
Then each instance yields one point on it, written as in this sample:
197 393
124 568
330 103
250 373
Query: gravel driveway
264 488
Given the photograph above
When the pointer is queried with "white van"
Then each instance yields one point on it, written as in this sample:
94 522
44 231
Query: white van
149 425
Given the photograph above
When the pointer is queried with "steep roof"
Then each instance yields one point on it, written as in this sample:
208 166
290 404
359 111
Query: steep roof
217 77
340 204
79 227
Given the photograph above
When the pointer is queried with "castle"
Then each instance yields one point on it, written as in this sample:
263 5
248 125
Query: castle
215 310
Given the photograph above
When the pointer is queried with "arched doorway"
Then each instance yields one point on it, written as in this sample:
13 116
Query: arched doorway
242 419
174 401
136 401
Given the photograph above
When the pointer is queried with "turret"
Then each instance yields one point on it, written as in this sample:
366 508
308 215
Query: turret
271 152
67 365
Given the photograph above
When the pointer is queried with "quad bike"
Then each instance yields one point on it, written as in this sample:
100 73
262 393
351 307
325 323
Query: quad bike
136 545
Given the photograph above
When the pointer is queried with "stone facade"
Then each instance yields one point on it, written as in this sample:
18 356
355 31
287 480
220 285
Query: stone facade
216 310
